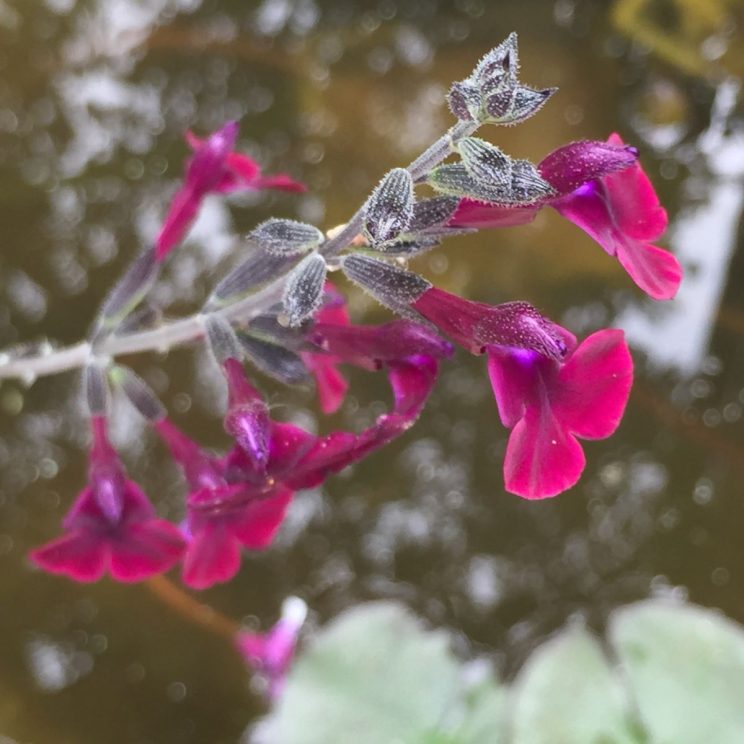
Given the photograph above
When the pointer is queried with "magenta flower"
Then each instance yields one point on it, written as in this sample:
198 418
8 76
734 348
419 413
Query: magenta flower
621 211
548 403
214 168
601 188
226 510
244 174
112 526
270 654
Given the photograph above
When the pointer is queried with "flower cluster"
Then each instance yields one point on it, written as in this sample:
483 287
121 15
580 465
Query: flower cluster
277 312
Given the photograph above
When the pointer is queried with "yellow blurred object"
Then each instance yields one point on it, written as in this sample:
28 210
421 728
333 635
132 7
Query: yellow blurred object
689 34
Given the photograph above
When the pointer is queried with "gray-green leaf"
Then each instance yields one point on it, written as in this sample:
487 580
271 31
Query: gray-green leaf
286 237
567 693
485 162
304 288
685 666
390 207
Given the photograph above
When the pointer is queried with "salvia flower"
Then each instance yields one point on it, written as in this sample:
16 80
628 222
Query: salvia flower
601 187
549 403
112 526
271 654
226 512
621 211
214 168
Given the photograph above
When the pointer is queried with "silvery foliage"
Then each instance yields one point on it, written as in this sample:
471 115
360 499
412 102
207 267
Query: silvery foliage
127 293
96 390
487 174
138 393
222 339
274 360
426 229
391 286
286 237
258 270
493 93
389 209
303 290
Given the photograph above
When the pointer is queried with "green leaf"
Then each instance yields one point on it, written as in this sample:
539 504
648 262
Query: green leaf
373 676
685 665
484 715
567 693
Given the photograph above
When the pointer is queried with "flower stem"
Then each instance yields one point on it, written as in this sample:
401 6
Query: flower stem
197 612
432 156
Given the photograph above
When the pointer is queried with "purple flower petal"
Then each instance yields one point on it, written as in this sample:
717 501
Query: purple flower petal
330 383
259 522
77 555
594 385
242 173
145 549
542 459
368 346
571 166
111 526
247 417
549 404
622 213
212 556
271 653
203 175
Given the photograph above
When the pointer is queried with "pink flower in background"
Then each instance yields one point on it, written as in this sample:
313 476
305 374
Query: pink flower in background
271 654
112 526
602 188
214 168
244 174
548 403
621 211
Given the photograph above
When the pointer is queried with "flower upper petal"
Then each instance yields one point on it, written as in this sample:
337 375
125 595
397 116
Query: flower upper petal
572 165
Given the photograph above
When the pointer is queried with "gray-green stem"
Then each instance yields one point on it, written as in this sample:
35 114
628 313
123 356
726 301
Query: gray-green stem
190 329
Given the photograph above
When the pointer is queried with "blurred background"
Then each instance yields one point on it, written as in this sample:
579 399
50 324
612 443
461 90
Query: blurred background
94 98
